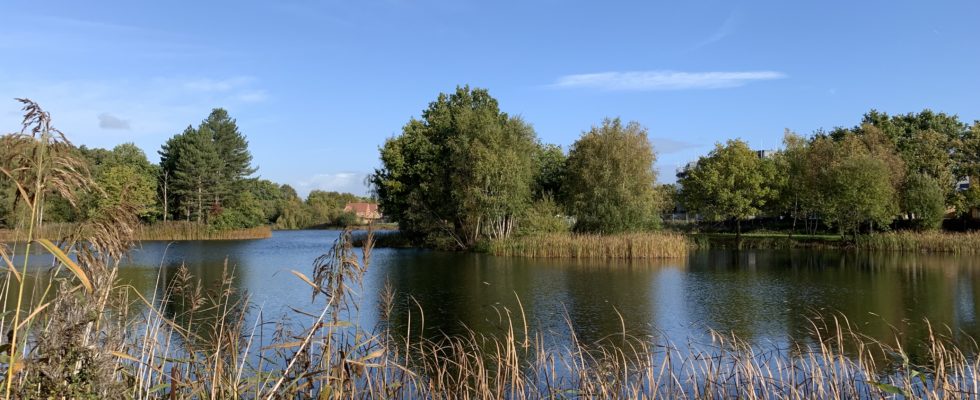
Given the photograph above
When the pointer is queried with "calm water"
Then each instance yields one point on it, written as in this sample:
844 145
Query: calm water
763 296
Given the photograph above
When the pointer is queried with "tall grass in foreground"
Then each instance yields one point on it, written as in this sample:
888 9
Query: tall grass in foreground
933 241
626 246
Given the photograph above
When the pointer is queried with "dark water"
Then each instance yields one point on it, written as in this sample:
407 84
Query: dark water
762 296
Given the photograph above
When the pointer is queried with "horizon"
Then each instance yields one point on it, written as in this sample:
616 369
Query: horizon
316 88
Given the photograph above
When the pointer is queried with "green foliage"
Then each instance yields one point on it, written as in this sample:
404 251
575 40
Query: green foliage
247 213
858 192
550 161
126 184
609 186
923 200
462 173
126 177
731 182
202 169
543 216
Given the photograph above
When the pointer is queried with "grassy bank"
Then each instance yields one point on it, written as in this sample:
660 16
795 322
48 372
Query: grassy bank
627 246
170 231
929 242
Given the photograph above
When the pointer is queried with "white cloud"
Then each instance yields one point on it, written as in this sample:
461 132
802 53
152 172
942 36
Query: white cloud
109 121
350 182
664 80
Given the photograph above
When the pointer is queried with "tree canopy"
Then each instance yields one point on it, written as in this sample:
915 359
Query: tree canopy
461 173
730 183
610 179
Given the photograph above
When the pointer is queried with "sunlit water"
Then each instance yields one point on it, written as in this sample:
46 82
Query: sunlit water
761 296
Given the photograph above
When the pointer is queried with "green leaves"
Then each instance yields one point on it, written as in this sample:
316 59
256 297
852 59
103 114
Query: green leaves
731 182
610 179
462 173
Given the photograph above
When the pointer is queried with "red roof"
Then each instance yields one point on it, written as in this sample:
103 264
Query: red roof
362 209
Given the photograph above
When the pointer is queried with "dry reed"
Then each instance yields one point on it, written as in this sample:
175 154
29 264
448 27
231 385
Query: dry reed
624 246
169 231
933 241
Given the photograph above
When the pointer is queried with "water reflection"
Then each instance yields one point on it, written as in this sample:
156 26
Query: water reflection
762 296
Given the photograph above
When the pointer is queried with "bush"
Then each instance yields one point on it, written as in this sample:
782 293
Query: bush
544 216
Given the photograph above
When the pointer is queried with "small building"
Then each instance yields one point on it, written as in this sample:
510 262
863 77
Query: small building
365 212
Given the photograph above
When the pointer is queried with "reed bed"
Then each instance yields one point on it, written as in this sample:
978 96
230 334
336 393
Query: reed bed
170 231
592 246
927 242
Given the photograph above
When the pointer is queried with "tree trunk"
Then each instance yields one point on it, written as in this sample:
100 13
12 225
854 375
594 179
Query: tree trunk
200 203
166 200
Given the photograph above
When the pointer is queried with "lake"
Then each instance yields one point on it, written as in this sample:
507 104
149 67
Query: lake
761 295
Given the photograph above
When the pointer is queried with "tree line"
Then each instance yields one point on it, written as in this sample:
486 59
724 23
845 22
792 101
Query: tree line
912 170
466 172
205 175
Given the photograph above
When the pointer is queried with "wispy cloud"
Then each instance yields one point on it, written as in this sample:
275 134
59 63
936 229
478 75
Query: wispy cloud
664 80
727 28
109 121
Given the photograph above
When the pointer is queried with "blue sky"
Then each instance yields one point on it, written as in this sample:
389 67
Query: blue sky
318 86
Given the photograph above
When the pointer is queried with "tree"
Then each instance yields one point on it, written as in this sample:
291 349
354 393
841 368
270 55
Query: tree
461 173
923 200
232 149
197 173
200 168
610 179
731 183
858 180
126 184
859 192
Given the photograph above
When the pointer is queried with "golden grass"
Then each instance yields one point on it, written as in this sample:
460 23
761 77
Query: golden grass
619 246
930 242
169 231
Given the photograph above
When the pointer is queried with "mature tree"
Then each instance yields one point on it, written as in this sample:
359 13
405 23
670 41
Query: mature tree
461 173
126 185
926 142
923 200
203 170
858 185
610 179
796 189
231 145
731 183
197 173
